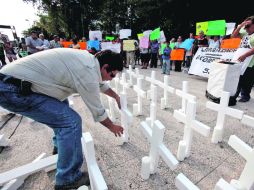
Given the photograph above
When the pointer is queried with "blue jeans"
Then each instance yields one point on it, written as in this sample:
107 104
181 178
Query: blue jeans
166 66
64 121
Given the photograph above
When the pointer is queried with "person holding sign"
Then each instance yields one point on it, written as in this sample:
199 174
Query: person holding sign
178 64
200 42
37 86
166 60
245 31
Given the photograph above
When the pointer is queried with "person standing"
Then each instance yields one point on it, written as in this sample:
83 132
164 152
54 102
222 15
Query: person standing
46 43
154 53
166 60
36 87
33 43
245 30
178 64
55 43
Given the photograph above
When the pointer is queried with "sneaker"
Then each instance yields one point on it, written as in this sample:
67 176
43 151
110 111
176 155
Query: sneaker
83 180
55 151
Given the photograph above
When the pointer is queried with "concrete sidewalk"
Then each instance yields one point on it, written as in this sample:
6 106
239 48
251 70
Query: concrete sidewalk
121 164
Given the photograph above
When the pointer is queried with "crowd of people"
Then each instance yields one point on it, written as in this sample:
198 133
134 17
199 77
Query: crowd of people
157 53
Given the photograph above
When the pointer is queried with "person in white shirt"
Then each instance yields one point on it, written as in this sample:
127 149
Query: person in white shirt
46 43
214 43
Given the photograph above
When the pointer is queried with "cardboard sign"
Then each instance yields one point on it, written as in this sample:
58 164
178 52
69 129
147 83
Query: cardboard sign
93 43
144 42
115 47
128 45
155 34
110 38
232 43
95 34
162 37
201 26
82 45
177 55
187 44
68 43
147 33
230 28
202 60
216 28
125 33
141 35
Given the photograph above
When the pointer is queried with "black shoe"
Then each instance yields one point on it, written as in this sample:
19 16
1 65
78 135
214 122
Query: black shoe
55 151
243 100
83 180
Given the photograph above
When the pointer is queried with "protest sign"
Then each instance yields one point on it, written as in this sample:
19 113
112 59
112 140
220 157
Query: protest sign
144 42
187 44
82 45
216 27
110 38
163 46
232 43
140 35
115 47
201 26
128 45
177 55
93 43
155 34
147 33
95 34
162 37
172 45
125 33
202 60
230 28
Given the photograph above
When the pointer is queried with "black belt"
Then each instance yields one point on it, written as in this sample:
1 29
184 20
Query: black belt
24 86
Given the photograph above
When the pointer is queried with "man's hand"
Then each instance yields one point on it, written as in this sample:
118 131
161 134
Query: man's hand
116 129
242 58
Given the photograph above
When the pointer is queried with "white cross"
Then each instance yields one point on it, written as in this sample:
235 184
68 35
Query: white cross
138 75
222 110
153 81
126 117
97 181
248 120
4 141
131 73
14 184
158 149
185 96
190 124
183 183
26 170
137 108
117 83
124 83
153 106
111 111
246 180
165 86
223 185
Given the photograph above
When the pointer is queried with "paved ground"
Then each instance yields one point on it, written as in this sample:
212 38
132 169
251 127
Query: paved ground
121 164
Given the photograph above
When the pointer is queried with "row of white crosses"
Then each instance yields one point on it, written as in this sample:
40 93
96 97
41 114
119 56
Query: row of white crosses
13 179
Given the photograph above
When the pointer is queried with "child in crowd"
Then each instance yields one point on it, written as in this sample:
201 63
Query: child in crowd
166 59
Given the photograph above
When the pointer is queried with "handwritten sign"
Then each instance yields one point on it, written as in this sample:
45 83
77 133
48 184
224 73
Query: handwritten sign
128 45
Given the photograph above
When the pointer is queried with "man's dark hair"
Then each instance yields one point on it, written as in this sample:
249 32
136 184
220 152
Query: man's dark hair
251 18
114 60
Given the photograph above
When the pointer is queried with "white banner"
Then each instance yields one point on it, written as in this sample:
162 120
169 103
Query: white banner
162 37
238 53
147 33
95 34
125 33
116 47
200 64
230 28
